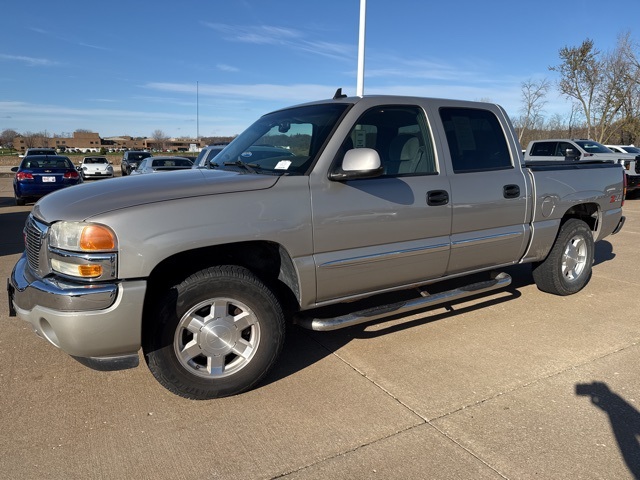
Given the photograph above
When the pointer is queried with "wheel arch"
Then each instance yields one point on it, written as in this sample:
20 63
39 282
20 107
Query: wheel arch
269 261
590 213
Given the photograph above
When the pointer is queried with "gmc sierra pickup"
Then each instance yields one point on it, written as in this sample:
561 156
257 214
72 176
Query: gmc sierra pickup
204 269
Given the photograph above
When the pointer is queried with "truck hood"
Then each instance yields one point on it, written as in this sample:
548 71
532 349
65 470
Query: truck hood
89 199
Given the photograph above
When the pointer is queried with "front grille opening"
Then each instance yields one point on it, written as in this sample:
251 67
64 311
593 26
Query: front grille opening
34 237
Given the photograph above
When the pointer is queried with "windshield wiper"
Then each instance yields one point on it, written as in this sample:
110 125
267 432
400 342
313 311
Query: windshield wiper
241 164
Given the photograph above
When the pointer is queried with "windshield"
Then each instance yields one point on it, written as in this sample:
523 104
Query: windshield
172 162
283 142
138 156
95 160
631 149
593 147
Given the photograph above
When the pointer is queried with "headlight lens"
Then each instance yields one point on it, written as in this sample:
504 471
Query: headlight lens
82 237
83 250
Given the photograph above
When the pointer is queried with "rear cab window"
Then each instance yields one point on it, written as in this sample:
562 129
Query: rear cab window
476 140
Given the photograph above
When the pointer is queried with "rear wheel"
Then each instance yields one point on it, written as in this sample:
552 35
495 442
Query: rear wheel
20 201
217 334
567 268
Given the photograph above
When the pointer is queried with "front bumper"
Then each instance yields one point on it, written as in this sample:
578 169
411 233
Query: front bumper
99 321
97 174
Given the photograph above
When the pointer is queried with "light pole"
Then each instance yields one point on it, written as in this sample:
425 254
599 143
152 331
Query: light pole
197 114
363 14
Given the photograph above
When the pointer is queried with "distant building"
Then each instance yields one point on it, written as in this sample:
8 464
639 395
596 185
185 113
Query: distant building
124 143
91 142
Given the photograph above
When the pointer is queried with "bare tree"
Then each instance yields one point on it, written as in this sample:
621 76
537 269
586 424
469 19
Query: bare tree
160 139
7 136
533 99
37 139
581 77
604 85
629 123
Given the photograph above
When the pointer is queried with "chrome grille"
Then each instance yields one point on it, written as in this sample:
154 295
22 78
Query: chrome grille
34 235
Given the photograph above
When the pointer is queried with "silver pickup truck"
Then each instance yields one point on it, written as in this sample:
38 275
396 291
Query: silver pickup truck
205 269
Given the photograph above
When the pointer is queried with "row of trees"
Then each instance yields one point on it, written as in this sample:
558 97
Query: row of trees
604 90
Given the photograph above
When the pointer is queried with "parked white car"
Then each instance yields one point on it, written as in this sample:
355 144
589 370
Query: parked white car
96 167
624 149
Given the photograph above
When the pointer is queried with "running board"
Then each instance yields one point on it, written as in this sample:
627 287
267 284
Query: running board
326 324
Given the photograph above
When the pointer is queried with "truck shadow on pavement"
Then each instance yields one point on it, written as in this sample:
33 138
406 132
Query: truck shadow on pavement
603 252
305 347
624 419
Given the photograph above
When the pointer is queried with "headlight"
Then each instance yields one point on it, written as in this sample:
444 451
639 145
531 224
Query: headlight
82 237
83 250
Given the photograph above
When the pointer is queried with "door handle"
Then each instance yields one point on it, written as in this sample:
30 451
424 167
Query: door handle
437 198
511 191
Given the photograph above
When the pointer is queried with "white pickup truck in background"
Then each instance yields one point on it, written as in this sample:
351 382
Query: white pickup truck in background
560 149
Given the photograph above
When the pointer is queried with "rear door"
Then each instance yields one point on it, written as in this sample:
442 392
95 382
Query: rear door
488 188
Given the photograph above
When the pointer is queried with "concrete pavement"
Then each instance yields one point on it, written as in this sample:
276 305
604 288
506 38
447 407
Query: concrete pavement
517 385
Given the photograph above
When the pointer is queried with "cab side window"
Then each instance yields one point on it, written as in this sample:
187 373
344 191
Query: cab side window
543 149
401 137
476 140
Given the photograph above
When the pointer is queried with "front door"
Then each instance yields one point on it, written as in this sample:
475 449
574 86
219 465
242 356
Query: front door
381 233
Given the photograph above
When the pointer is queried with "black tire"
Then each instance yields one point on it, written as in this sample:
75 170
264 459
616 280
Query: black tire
20 201
567 268
217 334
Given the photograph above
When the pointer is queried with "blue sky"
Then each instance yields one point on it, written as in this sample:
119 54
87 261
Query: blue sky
213 66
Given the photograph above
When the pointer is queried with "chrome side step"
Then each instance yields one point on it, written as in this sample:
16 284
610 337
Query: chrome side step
326 324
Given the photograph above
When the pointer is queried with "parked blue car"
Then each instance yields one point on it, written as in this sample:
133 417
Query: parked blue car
38 175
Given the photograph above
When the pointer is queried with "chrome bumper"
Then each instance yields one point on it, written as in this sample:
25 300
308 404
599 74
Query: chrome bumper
99 321
58 294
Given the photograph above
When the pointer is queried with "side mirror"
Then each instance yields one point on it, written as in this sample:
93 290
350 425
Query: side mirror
358 163
15 169
571 154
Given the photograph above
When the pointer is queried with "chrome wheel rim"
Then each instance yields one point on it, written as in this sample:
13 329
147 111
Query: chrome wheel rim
574 258
217 338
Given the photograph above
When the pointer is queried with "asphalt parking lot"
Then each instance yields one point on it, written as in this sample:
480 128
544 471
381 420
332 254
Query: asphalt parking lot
517 384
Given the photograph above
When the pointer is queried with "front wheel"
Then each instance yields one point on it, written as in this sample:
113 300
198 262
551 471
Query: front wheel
217 334
567 268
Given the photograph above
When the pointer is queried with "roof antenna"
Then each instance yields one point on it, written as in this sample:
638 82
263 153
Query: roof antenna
339 94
